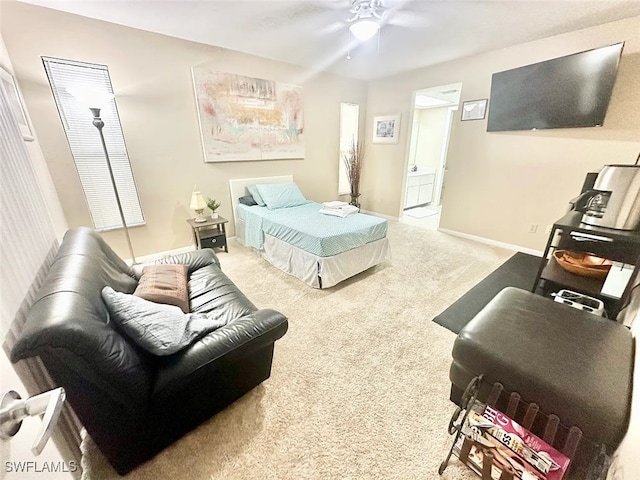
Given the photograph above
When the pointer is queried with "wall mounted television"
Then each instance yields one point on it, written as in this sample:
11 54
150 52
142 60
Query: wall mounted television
565 92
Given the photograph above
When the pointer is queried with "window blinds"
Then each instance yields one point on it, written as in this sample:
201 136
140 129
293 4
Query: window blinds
27 249
86 147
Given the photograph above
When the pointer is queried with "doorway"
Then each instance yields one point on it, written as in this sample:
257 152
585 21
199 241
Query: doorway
433 111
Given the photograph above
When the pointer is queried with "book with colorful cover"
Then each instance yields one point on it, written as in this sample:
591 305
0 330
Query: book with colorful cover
511 444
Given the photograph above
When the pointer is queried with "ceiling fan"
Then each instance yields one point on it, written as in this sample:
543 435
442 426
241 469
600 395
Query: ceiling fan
368 16
366 19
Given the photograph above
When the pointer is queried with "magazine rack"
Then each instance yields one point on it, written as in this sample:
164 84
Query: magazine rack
588 461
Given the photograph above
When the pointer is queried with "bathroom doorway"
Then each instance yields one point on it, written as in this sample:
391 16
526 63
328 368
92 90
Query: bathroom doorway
433 113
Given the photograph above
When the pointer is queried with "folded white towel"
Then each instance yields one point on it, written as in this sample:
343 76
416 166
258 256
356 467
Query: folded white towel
334 204
339 212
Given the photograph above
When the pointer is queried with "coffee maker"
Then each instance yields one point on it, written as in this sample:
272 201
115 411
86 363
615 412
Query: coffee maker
614 200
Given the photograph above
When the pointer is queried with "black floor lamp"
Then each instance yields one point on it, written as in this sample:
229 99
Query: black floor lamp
95 101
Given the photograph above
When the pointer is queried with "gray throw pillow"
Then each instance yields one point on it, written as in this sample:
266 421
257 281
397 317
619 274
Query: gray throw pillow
158 328
248 200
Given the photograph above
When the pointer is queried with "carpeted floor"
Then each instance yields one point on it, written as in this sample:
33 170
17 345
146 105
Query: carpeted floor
359 386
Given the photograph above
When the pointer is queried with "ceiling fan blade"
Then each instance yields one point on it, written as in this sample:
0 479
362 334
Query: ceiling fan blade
408 19
331 28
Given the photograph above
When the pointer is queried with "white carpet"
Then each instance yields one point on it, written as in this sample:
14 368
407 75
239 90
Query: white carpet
359 386
420 212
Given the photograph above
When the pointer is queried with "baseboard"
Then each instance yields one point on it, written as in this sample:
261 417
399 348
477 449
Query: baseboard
494 243
382 215
155 256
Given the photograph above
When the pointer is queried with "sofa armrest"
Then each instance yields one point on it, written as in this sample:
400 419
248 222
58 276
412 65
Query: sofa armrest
235 340
193 260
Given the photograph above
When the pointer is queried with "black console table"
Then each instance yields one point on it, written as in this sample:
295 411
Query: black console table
569 233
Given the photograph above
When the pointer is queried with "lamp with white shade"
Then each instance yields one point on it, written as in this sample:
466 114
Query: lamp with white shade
198 204
95 100
367 16
364 29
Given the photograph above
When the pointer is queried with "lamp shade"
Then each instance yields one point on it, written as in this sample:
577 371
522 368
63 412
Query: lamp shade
364 29
197 201
91 97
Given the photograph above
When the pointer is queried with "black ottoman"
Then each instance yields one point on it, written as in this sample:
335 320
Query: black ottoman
571 363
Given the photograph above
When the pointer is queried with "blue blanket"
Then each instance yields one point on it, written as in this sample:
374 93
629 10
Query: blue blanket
306 228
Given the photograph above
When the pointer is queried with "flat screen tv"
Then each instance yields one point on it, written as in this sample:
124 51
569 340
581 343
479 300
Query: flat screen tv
565 92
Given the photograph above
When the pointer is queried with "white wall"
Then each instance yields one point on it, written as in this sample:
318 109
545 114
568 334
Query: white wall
498 184
432 126
151 77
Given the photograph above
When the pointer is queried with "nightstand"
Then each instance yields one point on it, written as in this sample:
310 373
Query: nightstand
620 246
210 233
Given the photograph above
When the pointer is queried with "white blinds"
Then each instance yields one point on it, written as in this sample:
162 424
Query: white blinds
86 148
27 249
28 235
349 113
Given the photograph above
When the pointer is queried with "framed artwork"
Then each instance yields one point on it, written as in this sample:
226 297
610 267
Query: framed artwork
245 118
8 84
474 109
386 128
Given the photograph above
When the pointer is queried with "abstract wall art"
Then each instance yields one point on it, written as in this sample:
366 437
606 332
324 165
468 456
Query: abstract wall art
245 118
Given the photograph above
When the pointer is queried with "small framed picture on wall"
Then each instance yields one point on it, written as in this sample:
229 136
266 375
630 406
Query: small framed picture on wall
474 109
386 128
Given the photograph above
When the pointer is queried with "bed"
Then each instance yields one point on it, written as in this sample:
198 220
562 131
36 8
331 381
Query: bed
321 250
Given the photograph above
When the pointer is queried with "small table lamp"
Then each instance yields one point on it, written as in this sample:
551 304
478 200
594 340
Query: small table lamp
198 204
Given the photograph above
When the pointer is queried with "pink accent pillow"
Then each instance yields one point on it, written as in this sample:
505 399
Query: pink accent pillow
164 284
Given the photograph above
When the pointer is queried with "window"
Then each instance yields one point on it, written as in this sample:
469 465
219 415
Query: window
86 146
349 113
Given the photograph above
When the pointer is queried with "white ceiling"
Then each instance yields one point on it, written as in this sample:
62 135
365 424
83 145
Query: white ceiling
314 34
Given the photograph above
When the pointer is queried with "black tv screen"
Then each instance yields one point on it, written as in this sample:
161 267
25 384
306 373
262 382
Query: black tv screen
565 92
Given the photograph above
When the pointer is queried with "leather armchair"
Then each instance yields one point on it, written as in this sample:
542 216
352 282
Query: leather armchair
132 403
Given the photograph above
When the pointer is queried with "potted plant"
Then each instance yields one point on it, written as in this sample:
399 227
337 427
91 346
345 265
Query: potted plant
213 205
353 161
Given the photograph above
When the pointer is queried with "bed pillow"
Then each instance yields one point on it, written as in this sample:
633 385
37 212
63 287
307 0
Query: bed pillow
281 195
253 190
248 200
158 328
164 284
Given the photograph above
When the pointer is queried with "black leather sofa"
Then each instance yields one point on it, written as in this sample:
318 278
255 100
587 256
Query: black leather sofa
132 403
571 363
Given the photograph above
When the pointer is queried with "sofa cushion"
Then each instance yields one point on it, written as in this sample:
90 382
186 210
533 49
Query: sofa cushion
164 284
571 363
158 328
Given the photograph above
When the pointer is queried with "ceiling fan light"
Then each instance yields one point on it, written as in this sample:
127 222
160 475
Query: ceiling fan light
364 29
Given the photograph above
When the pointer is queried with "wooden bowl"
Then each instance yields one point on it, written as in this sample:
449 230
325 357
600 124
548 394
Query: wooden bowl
585 264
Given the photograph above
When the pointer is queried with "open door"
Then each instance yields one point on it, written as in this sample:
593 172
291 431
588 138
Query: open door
434 109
